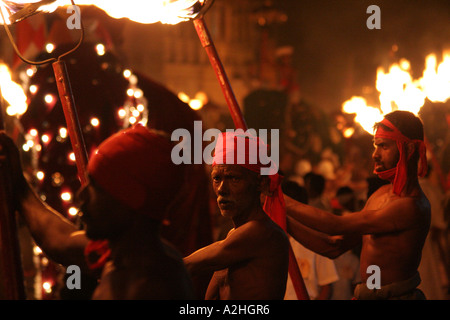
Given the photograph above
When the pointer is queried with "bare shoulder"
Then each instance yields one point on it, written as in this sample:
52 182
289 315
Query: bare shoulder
257 232
260 225
266 230
415 209
415 204
379 194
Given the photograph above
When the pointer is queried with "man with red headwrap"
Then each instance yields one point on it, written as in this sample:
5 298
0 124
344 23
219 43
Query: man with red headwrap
393 225
132 184
252 261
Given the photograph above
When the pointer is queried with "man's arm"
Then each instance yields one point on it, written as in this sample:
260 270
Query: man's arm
320 243
240 244
400 214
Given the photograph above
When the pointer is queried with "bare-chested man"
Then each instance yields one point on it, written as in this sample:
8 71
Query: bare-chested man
132 182
393 224
252 261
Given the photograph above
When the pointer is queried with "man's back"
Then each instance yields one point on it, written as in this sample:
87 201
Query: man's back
262 274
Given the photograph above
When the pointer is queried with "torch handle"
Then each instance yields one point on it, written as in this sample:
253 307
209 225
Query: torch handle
207 43
72 121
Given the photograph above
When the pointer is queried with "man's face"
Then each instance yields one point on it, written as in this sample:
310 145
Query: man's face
237 190
385 155
104 216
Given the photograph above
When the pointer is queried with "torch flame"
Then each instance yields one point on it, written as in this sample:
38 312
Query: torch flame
366 115
12 92
436 79
145 11
10 8
141 11
399 91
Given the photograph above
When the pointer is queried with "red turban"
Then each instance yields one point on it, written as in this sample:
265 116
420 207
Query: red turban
135 167
398 174
245 150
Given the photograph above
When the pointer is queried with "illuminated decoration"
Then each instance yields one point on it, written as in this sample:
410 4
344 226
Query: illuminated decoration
399 91
95 122
47 142
49 47
33 89
73 211
66 196
63 133
30 72
100 48
40 175
135 107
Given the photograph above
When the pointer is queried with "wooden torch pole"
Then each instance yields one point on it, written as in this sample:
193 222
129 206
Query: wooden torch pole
72 121
239 122
207 43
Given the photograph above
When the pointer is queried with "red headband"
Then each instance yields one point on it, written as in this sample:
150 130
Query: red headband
398 175
135 167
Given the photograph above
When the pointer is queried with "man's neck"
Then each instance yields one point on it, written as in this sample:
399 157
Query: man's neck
411 189
256 213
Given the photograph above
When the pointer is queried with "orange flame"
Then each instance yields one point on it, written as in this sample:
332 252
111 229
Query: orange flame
399 91
12 93
142 11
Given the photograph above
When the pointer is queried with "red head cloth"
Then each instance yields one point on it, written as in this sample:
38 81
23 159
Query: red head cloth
135 167
250 152
398 175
